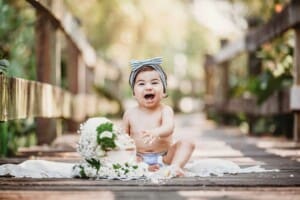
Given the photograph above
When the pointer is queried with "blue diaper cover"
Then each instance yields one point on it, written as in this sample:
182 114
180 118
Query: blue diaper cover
152 158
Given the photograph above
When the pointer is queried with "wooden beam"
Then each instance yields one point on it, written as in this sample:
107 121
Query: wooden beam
3 97
22 98
70 27
230 50
295 94
295 98
46 52
224 77
76 79
276 104
209 81
277 25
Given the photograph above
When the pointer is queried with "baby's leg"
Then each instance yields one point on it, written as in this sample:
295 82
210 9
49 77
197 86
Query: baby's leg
153 168
139 159
179 154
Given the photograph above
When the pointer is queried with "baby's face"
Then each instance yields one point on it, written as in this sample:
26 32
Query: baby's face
148 89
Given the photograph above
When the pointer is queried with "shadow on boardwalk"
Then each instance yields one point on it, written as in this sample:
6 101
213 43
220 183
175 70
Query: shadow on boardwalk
212 142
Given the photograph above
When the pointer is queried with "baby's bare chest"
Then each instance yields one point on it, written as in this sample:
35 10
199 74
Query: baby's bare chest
145 122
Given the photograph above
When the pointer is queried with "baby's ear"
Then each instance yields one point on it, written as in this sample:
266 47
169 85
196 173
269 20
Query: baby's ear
165 95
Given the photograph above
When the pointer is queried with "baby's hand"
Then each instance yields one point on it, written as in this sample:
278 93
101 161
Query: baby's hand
148 136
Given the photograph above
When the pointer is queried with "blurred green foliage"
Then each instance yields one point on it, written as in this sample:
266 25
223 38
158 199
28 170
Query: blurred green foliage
277 65
276 74
17 38
21 133
126 30
263 10
3 66
17 60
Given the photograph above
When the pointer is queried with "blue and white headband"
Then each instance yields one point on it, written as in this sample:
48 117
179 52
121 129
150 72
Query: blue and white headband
137 65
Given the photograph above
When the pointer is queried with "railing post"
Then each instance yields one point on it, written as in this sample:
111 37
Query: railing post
254 63
76 78
3 110
48 69
296 88
208 70
3 139
3 106
224 82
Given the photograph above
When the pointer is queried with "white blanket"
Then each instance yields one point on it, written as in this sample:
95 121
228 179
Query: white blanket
51 169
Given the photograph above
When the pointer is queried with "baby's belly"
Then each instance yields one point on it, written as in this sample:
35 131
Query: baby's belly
156 146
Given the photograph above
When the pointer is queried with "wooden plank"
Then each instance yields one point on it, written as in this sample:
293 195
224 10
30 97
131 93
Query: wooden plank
242 146
71 28
230 50
76 81
3 97
295 98
79 105
275 104
277 25
158 192
209 78
249 106
224 82
66 22
46 56
22 98
92 102
296 85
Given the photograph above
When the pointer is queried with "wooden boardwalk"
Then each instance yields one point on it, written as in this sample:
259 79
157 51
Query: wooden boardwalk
212 142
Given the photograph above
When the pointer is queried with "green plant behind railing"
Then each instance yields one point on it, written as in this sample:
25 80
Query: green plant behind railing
3 66
277 63
3 125
21 133
276 75
16 133
17 38
17 46
3 139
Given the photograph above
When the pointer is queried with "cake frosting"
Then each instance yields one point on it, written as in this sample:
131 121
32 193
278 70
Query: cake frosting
107 152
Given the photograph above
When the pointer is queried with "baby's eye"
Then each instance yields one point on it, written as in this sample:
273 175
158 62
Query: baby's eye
155 82
141 84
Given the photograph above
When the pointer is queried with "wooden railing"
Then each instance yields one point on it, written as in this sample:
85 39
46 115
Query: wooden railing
281 102
44 99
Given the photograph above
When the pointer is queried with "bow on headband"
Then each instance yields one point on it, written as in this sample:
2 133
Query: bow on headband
136 64
154 63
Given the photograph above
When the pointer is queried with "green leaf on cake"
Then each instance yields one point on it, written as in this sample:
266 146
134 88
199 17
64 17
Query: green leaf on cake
106 143
108 126
94 163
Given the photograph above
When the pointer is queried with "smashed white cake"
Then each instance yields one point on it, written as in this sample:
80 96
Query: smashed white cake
106 152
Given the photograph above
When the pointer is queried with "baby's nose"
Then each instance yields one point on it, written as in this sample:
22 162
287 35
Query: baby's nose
148 86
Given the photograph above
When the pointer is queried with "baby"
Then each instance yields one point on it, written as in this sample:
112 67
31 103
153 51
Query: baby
151 123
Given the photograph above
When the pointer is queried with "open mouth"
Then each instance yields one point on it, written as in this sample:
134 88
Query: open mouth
149 96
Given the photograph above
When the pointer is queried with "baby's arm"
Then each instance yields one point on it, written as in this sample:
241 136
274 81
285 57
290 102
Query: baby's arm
167 125
125 125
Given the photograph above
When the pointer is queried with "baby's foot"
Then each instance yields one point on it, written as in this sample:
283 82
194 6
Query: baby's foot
139 159
153 168
176 171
